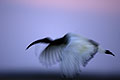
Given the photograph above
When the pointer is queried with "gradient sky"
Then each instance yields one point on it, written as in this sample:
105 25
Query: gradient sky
24 21
96 5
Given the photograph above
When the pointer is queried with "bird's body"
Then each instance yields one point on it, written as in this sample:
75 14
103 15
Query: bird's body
71 51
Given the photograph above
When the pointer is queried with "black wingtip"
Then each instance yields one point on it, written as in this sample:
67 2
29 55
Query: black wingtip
109 52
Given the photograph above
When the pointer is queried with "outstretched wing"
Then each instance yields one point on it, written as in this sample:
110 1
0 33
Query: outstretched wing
88 54
77 53
52 53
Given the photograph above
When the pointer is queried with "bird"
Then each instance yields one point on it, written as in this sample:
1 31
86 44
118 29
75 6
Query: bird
71 51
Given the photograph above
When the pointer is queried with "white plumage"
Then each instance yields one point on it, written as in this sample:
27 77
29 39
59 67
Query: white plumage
71 51
78 52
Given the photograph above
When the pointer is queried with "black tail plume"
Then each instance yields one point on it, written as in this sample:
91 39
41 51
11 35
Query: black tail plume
108 52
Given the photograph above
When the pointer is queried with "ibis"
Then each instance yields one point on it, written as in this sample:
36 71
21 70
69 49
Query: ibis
71 51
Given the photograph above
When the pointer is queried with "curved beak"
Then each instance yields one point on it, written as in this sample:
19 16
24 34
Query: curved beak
45 40
33 43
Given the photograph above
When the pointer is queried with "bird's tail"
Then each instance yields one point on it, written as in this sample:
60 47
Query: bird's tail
101 50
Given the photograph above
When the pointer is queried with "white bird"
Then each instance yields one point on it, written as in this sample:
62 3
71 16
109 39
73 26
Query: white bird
71 51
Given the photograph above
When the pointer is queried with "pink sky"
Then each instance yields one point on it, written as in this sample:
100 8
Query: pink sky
96 5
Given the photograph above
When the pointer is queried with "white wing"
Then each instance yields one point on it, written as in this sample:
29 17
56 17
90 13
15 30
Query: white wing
87 55
77 53
51 54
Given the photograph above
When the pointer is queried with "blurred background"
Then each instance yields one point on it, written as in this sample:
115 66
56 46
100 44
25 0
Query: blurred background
23 21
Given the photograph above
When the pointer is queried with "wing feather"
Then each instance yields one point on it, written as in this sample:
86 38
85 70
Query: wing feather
51 54
88 54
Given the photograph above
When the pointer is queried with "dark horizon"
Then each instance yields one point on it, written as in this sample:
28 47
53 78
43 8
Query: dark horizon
55 76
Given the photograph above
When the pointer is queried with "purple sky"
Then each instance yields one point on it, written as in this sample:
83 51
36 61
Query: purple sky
20 24
98 5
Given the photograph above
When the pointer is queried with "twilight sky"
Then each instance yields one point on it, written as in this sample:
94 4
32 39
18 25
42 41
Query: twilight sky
95 5
23 21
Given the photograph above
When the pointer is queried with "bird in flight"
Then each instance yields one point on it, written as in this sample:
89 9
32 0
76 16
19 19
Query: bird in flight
71 51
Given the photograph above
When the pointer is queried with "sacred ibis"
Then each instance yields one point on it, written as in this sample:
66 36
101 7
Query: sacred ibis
71 51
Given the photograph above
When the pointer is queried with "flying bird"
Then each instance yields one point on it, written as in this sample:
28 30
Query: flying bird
71 51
